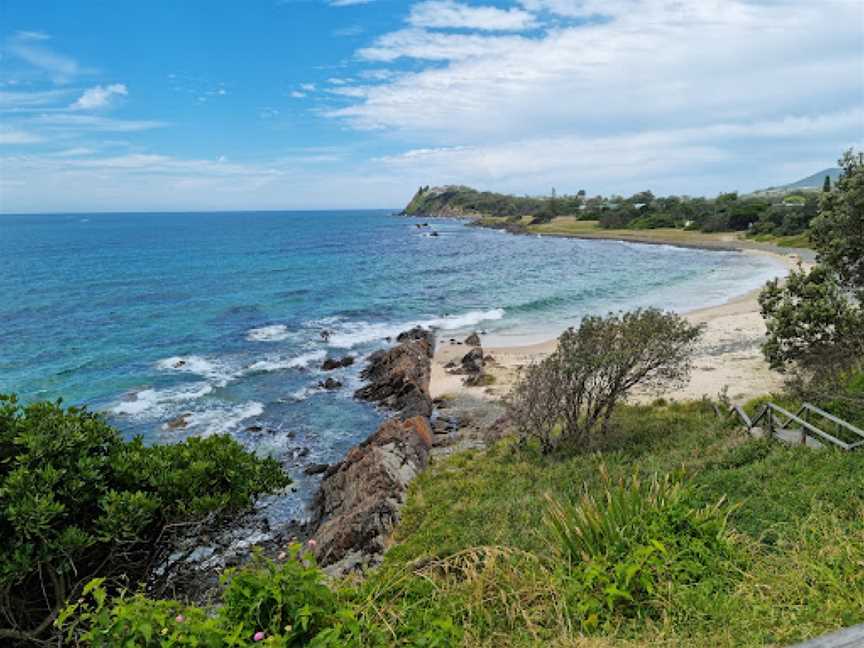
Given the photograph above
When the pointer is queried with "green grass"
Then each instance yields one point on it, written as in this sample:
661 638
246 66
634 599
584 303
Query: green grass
474 544
794 241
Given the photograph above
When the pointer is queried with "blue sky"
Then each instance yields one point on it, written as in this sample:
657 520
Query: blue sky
292 104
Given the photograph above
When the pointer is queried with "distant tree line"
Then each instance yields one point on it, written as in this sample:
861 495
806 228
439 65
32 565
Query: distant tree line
780 215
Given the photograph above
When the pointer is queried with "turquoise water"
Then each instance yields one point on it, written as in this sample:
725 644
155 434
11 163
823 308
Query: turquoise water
218 315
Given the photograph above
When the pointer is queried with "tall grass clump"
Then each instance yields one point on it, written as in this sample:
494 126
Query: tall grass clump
622 552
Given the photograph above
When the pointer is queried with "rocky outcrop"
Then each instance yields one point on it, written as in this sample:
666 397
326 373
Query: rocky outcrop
473 340
330 364
472 362
358 503
399 377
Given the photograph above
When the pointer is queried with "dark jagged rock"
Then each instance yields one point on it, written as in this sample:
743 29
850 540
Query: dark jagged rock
315 469
399 377
472 362
473 340
330 384
358 503
330 364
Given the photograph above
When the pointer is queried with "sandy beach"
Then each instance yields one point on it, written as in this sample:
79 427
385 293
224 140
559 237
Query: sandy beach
728 354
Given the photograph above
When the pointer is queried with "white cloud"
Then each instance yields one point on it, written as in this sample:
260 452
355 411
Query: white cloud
297 94
440 14
694 63
584 8
29 47
639 152
307 87
16 136
20 100
99 96
437 46
78 122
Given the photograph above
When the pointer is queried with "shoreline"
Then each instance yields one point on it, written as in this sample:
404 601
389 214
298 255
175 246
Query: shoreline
728 354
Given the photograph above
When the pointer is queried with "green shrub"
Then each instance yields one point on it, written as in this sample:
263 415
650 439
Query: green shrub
77 501
283 603
269 603
620 550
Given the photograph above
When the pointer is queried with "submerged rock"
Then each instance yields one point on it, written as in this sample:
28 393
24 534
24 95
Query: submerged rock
358 503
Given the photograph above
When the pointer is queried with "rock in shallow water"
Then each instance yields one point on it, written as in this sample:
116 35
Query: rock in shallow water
330 384
330 364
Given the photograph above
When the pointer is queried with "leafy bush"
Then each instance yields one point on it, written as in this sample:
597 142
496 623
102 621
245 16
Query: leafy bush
76 501
571 393
270 604
622 548
282 603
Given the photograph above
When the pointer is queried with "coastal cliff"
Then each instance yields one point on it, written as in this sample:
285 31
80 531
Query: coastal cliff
448 201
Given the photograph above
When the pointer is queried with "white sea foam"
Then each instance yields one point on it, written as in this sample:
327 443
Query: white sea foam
272 333
354 333
154 403
220 372
276 363
222 419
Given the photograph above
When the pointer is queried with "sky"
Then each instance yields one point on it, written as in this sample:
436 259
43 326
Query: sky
123 105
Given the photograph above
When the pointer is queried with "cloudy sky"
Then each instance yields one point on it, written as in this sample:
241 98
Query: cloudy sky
291 104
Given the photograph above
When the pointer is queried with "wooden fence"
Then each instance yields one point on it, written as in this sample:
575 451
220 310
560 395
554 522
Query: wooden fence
801 427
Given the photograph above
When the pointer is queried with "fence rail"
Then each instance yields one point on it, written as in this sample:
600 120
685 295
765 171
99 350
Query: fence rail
791 428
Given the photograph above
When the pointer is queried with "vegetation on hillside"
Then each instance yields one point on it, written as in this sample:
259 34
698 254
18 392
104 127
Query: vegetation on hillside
781 215
78 502
677 530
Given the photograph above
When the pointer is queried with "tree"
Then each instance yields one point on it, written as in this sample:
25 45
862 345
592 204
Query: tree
826 186
815 321
838 231
571 394
812 325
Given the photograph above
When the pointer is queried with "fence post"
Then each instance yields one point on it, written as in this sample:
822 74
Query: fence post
804 429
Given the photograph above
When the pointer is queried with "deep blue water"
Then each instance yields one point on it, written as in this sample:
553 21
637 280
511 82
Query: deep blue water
219 315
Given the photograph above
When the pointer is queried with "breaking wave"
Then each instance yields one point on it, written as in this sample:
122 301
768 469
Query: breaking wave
352 334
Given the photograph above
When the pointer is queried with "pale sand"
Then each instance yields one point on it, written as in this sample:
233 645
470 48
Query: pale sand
728 354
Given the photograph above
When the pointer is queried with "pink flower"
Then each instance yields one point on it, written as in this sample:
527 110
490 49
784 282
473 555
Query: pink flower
312 544
179 618
258 636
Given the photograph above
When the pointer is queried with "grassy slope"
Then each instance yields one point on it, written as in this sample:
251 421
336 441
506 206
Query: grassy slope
799 530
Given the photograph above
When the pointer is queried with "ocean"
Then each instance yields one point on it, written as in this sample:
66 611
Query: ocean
218 316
